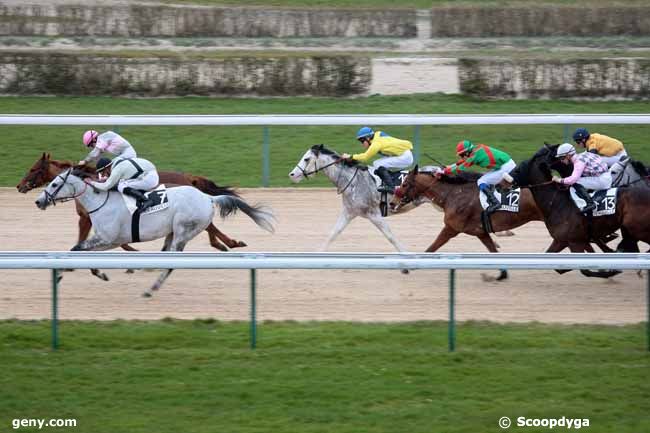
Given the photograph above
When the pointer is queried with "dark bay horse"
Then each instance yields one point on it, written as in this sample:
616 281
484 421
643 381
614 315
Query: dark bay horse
46 169
566 225
458 198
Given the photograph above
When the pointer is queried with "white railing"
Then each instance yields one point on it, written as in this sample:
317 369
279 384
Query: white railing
324 119
254 261
267 120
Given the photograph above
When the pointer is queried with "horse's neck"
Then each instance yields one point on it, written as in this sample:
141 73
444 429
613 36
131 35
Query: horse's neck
439 192
56 167
90 200
339 174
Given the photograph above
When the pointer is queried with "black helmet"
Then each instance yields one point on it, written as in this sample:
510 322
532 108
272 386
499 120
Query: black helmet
581 134
102 164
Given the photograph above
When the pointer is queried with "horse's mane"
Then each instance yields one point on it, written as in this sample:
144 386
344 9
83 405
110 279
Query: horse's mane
320 148
639 167
460 178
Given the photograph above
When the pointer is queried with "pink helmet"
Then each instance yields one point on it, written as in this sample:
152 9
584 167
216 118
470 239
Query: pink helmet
90 137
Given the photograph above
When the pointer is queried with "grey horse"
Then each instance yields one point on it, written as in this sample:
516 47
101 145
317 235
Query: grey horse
356 185
628 172
189 213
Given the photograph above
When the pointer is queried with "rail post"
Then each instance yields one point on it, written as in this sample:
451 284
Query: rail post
647 323
266 157
452 301
253 326
566 133
55 309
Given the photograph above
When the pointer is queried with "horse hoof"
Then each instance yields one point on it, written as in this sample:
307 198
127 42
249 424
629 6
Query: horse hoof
146 295
59 278
405 271
488 278
240 244
129 271
502 276
103 276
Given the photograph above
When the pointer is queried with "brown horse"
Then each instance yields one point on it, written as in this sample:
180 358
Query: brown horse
458 196
45 170
566 225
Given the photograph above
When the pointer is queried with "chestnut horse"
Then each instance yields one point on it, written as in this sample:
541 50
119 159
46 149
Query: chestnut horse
458 197
46 169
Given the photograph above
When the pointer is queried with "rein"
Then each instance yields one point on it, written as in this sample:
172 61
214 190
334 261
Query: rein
307 173
349 183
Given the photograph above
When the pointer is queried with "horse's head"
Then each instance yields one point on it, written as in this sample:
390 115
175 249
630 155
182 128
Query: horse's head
414 184
309 163
61 188
538 168
37 176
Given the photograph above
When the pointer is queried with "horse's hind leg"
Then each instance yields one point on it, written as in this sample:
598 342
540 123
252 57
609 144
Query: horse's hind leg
215 233
384 228
173 242
486 239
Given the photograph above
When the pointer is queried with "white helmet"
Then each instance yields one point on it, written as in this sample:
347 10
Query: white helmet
565 149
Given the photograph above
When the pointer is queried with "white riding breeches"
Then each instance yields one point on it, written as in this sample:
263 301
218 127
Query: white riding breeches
604 181
128 153
394 162
611 160
145 182
495 176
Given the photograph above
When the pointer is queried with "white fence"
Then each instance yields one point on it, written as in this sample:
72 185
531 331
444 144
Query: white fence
254 261
267 120
325 119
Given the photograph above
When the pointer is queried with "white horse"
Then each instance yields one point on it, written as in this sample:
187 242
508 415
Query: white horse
356 185
628 172
189 213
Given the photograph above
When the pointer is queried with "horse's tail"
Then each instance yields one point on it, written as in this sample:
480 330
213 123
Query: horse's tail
207 186
229 204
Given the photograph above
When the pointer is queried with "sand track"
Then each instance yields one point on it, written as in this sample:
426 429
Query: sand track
305 216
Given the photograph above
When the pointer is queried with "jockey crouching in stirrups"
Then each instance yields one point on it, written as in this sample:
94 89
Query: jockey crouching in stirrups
132 176
396 154
110 142
589 171
498 162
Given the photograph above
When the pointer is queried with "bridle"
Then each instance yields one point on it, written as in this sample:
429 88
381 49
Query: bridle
317 169
51 197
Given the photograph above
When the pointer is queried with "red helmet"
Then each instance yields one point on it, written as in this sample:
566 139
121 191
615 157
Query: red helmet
464 146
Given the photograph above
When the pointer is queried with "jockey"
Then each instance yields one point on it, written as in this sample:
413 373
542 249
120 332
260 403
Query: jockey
498 162
132 176
110 142
610 149
589 171
396 154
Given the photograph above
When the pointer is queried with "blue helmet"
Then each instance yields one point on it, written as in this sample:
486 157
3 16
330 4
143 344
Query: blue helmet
365 132
580 134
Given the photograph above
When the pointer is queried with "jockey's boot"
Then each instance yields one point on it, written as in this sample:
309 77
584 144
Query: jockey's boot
493 203
141 199
387 182
581 191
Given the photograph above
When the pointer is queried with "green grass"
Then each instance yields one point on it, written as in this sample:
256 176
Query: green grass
232 155
200 376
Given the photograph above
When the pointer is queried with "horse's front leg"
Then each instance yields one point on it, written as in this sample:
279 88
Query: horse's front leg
341 223
443 237
487 240
95 244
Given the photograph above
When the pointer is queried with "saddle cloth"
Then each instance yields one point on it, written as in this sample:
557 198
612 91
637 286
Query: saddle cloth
509 200
605 200
159 196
